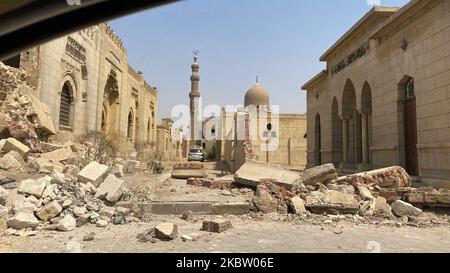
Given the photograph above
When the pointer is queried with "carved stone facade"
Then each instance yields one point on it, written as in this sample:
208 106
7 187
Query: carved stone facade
86 81
390 105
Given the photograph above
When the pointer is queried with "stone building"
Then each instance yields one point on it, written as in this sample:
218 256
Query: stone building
88 85
256 132
169 141
384 98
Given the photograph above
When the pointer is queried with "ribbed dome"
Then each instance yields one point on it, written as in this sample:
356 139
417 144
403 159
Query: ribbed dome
256 96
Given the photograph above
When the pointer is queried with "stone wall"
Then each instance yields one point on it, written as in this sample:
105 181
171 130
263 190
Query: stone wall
413 43
104 88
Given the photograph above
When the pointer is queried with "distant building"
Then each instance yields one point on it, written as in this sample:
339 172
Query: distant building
88 85
384 98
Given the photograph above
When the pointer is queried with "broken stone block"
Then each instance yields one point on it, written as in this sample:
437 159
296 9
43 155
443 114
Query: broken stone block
41 165
50 191
185 171
146 236
50 211
42 113
117 170
297 205
263 200
17 202
33 187
382 207
58 155
363 191
67 223
13 144
131 166
79 211
253 173
12 161
217 225
401 208
111 189
23 220
107 212
94 172
58 178
101 223
3 196
392 177
368 207
331 201
320 174
166 231
123 211
186 238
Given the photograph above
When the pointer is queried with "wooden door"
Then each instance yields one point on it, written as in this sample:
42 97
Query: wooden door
412 158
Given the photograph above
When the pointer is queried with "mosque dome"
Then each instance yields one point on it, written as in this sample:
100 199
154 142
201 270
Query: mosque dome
256 96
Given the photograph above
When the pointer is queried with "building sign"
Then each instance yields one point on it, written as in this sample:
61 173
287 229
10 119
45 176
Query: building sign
357 54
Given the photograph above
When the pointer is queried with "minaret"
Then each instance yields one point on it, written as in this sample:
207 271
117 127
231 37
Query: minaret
194 96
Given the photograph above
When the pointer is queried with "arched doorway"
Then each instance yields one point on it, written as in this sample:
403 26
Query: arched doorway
336 132
66 106
110 106
366 124
130 125
318 142
352 144
408 153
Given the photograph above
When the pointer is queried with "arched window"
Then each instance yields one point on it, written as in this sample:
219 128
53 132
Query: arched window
66 106
149 131
130 125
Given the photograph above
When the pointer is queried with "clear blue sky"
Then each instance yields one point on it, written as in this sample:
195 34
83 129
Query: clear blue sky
280 40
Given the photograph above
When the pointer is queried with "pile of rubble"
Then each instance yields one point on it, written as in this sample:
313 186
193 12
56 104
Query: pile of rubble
64 202
22 115
384 193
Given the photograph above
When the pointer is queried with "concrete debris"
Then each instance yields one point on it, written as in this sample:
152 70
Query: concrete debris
188 170
117 170
263 200
102 223
186 238
392 177
111 189
297 205
94 172
23 220
320 174
12 144
107 212
12 161
146 236
401 208
217 225
3 196
331 202
382 208
49 211
33 187
429 197
59 155
67 223
253 173
166 231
